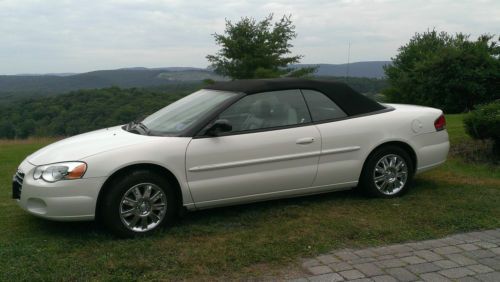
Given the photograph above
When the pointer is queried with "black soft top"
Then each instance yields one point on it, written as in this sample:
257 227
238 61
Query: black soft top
352 102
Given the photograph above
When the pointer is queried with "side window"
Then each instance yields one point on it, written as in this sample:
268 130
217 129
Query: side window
322 107
267 110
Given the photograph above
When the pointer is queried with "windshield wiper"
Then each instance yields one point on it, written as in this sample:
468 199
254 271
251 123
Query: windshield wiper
139 127
143 127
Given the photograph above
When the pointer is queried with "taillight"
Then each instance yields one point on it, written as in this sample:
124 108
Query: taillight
440 123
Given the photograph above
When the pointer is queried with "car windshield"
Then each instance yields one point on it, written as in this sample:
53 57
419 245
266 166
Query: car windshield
183 113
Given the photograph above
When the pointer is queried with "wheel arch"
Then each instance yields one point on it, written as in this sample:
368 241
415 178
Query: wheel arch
401 144
127 169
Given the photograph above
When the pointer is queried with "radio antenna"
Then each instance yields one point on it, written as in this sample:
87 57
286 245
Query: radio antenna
348 61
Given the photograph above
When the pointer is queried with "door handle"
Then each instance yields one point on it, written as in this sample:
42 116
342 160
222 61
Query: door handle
306 140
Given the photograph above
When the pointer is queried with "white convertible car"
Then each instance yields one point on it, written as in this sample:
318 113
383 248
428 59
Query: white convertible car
231 143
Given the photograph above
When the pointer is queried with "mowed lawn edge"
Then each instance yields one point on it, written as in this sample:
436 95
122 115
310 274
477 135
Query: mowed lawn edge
249 240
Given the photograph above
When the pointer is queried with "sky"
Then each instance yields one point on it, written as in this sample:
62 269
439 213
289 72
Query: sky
51 36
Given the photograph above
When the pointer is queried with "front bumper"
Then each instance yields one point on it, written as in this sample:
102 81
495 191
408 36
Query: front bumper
66 200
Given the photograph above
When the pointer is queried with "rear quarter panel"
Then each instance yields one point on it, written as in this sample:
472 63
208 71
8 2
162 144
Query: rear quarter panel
412 125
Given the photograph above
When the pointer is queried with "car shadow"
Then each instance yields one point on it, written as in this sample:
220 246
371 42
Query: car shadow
74 230
305 199
219 216
222 217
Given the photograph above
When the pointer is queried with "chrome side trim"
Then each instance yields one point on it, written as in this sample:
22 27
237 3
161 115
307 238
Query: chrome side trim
255 161
340 150
273 159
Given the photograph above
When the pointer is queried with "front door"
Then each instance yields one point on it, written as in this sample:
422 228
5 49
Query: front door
272 149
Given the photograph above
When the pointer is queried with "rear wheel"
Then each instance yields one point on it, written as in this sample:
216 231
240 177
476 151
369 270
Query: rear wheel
138 204
388 172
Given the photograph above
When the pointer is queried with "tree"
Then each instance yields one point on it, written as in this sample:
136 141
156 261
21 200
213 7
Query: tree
484 123
251 49
84 110
445 71
7 130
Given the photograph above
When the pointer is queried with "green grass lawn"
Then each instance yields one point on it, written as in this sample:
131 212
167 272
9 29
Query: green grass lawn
248 240
456 128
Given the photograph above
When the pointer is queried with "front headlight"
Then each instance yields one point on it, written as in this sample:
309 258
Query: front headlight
60 171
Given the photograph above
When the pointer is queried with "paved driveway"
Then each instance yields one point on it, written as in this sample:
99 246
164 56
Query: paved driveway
471 256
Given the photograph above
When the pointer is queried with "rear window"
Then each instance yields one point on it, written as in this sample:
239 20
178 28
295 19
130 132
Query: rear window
322 107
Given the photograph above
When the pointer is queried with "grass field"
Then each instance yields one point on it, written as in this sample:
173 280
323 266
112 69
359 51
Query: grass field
244 241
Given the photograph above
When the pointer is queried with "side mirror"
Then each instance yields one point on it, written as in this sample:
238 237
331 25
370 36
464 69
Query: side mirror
218 127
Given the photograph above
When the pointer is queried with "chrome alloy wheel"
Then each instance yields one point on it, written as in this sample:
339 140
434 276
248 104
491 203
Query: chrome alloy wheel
143 207
390 174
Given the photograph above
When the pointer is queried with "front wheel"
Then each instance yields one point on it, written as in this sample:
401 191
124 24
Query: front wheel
388 172
138 204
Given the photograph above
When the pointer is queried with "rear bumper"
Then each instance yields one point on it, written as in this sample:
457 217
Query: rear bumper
67 200
429 167
432 150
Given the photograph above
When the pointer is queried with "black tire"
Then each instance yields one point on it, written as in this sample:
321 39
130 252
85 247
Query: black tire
112 202
367 182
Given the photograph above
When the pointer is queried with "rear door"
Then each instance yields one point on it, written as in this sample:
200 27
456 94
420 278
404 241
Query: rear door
272 150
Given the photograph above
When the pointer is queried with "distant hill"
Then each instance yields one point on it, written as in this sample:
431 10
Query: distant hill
130 77
372 69
13 86
33 85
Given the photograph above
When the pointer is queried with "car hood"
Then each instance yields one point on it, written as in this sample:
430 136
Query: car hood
87 144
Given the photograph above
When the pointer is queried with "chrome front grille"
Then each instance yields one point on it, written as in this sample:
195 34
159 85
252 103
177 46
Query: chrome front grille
17 184
19 177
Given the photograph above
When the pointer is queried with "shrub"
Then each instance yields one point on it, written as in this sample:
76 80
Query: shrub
484 123
450 72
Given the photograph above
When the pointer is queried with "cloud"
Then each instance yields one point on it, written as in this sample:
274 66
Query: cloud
67 36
